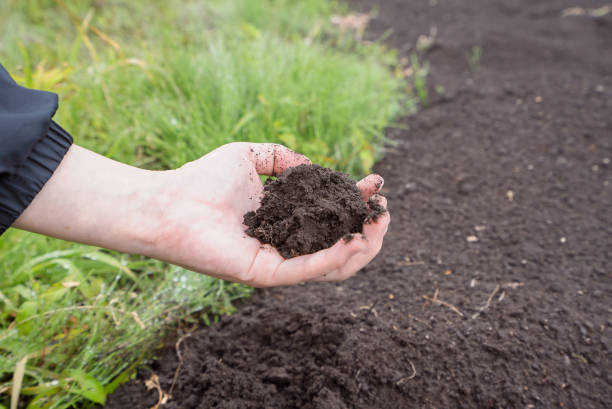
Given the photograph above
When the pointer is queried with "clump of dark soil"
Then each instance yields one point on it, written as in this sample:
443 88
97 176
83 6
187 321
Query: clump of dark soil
307 209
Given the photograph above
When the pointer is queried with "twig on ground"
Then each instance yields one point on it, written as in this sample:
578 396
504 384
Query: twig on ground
578 356
513 285
407 261
419 320
444 303
426 303
153 383
488 304
580 11
414 263
177 346
402 380
370 308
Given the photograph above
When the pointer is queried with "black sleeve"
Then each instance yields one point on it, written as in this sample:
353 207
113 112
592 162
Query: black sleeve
31 145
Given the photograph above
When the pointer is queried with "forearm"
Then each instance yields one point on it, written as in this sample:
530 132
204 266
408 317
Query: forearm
94 200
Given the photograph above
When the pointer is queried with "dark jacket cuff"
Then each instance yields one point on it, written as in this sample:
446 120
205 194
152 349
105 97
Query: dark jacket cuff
19 189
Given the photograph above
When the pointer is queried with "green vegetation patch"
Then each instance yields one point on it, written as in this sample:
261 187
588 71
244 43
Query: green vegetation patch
156 84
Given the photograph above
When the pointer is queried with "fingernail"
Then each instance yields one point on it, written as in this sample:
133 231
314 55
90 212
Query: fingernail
381 182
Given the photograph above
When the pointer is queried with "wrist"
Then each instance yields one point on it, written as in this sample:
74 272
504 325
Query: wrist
142 223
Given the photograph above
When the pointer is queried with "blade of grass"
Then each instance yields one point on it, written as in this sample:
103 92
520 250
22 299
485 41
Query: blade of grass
17 381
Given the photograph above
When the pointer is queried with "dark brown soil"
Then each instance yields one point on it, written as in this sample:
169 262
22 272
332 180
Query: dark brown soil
306 209
494 286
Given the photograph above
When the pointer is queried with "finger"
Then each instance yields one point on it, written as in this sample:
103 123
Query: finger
303 268
370 185
272 159
373 235
381 200
347 269
381 224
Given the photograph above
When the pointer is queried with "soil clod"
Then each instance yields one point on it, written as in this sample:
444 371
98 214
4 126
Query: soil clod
309 208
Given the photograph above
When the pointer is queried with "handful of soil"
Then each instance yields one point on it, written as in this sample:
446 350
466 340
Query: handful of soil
309 208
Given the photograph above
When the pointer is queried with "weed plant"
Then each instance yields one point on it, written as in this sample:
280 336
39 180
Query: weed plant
156 84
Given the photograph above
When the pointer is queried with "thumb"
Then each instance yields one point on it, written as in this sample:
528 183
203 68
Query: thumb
273 159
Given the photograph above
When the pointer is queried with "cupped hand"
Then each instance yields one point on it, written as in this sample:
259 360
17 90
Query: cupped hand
200 227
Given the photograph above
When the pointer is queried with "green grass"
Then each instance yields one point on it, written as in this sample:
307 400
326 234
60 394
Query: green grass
78 308
474 58
156 84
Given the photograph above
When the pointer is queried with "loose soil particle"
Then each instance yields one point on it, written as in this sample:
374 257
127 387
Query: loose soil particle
307 209
520 317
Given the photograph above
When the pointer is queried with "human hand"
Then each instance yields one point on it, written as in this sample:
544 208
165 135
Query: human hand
191 216
201 228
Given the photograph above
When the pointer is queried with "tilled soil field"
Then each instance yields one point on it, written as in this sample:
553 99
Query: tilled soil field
494 286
